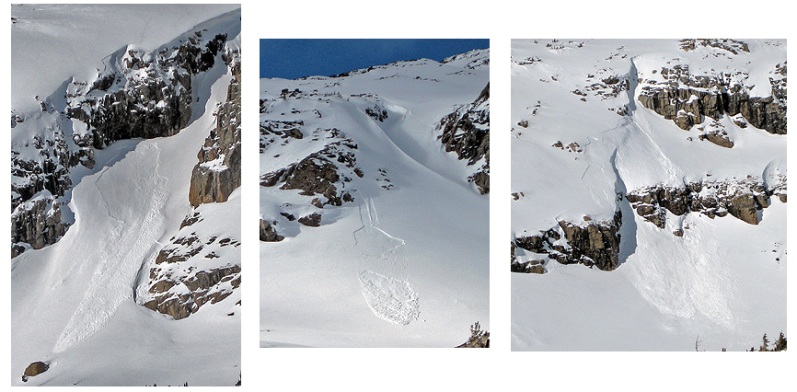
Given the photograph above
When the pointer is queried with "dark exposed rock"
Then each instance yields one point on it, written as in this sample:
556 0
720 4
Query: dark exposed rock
34 369
377 113
730 45
743 199
745 207
36 222
123 105
324 172
481 179
218 172
313 220
466 131
271 129
178 254
595 244
718 138
191 219
179 297
314 175
49 172
686 98
268 233
529 267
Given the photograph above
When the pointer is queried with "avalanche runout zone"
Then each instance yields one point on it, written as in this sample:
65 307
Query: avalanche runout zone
117 262
390 299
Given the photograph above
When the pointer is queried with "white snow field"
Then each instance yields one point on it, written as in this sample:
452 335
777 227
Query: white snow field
723 282
75 304
405 262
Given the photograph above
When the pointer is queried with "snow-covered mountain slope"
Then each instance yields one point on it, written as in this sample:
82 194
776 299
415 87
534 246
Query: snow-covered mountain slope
374 234
664 162
82 300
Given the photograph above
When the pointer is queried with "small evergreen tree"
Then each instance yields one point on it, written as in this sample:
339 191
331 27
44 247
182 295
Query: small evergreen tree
764 344
780 343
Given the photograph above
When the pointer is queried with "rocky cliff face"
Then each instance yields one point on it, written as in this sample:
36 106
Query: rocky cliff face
591 244
324 177
137 94
36 223
218 172
743 199
36 186
268 233
466 131
185 276
686 99
320 173
145 94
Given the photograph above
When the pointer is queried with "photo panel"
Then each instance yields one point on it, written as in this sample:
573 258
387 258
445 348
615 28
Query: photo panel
374 185
648 195
125 195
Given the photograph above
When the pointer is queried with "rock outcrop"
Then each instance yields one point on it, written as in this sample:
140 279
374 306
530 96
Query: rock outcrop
34 369
146 95
206 286
39 180
218 172
743 199
37 223
323 173
182 280
595 243
686 98
466 131
268 231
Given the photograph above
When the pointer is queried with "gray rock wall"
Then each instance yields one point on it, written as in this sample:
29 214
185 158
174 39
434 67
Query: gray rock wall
714 97
218 172
592 244
466 132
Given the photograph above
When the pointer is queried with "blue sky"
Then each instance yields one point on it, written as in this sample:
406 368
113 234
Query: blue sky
294 58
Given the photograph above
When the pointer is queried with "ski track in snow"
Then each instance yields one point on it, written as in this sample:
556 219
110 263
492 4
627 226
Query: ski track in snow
389 297
118 260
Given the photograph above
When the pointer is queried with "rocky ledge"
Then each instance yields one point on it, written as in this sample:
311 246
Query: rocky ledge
466 131
185 277
324 177
323 173
591 243
686 98
144 94
218 172
35 224
743 199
